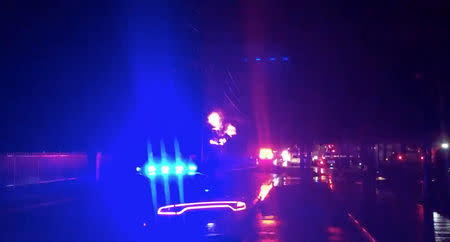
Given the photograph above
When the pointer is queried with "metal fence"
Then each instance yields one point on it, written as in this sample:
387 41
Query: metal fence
33 168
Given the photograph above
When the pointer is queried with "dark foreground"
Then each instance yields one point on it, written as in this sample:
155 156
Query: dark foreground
298 207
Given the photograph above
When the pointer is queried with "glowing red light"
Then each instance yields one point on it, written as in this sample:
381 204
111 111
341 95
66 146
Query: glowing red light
422 157
400 157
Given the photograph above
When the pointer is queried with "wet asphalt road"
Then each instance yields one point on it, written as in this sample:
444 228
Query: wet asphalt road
282 205
294 206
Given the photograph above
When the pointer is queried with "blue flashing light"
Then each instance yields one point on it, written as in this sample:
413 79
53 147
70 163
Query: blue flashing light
272 58
192 168
138 169
258 58
179 169
165 170
285 58
151 170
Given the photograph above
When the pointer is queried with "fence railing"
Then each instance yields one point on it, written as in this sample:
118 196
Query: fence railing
33 168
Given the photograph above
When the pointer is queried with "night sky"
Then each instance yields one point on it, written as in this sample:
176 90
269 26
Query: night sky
91 74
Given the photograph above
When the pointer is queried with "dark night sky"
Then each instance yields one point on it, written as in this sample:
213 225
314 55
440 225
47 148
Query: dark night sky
355 69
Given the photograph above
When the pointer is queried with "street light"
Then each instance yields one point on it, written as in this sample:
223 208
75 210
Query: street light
444 145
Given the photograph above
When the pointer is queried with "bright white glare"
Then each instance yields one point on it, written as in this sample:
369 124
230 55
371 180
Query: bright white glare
179 169
222 141
276 181
286 155
192 167
315 157
151 169
266 154
284 163
215 120
231 130
138 169
444 145
165 169
210 225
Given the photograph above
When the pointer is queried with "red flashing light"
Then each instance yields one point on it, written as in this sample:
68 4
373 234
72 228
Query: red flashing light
422 157
400 157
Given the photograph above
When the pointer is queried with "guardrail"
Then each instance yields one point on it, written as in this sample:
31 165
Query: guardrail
18 169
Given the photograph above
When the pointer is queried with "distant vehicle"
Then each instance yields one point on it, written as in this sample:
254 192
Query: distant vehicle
290 157
266 158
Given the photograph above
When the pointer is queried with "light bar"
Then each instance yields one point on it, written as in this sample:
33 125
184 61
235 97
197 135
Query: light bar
178 209
179 169
165 170
192 169
152 170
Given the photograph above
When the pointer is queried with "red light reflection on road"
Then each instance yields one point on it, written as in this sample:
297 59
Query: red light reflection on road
335 234
264 191
267 228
